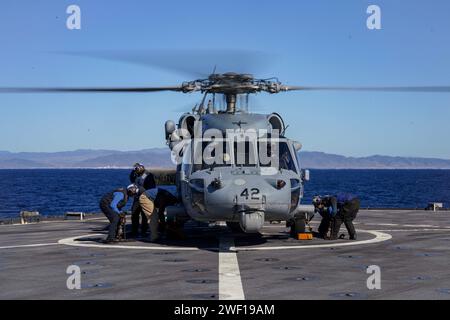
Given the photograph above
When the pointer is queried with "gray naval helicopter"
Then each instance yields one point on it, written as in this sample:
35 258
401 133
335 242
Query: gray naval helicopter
239 167
233 165
236 166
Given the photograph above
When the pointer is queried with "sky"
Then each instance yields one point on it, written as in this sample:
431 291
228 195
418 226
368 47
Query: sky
308 43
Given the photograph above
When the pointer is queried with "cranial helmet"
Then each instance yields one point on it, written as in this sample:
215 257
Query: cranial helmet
132 189
139 169
317 200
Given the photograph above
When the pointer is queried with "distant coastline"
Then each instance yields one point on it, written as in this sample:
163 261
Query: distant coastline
160 158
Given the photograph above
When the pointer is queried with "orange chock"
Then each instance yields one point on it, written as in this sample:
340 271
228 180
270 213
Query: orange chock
304 236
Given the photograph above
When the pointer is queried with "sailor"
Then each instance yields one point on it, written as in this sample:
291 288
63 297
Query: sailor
324 205
160 198
348 207
144 180
335 210
111 205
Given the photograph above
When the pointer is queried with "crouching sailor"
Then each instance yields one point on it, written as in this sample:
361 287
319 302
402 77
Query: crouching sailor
111 205
327 207
335 210
160 198
348 206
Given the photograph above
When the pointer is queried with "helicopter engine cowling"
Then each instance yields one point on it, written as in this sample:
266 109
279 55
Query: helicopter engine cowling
185 130
277 123
187 122
170 128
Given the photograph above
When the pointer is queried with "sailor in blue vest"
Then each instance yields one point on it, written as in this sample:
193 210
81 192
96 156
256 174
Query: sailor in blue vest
335 210
112 204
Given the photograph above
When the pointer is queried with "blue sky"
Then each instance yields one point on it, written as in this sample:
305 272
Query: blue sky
311 42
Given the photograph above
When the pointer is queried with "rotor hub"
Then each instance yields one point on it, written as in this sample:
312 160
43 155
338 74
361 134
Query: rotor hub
232 83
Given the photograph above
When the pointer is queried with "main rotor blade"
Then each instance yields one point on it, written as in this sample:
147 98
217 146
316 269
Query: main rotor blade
378 89
193 63
87 90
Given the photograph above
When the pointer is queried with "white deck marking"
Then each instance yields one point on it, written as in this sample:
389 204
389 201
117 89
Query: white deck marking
412 230
91 244
48 222
30 245
230 284
406 225
379 237
382 224
419 226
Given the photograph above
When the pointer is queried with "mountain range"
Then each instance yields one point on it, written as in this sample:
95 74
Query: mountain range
160 158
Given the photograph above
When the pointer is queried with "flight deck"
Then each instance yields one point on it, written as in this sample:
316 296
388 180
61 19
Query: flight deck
411 248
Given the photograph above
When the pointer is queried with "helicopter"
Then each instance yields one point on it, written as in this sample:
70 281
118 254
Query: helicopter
233 165
236 166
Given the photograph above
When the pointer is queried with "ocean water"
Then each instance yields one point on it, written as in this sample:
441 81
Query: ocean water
53 192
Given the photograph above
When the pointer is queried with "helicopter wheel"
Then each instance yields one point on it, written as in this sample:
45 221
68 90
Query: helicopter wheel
235 227
298 226
174 231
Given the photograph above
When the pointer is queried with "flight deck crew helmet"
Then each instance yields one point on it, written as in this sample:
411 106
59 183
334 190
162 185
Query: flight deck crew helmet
317 201
132 189
139 169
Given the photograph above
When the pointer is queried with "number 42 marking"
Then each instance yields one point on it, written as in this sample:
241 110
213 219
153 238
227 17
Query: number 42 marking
254 194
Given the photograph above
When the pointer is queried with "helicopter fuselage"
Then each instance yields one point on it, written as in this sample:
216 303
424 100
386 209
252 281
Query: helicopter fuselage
222 175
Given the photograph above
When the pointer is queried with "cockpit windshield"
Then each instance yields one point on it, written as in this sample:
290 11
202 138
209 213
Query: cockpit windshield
276 154
244 154
286 159
211 154
217 153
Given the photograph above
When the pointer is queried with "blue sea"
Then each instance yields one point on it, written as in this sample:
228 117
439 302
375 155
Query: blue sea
53 192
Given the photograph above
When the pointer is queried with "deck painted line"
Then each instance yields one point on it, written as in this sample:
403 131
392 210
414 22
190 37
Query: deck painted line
30 245
29 224
381 224
91 244
407 225
412 230
50 222
230 283
419 226
379 237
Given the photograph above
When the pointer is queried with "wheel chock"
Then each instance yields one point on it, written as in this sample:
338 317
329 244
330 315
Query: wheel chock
304 236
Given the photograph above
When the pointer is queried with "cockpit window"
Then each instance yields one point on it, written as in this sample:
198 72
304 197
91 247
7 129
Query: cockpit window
276 154
244 154
286 159
211 154
216 153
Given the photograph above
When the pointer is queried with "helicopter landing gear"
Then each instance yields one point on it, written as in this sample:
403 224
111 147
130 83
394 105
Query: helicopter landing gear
298 225
235 227
174 230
